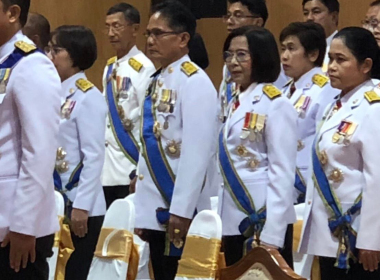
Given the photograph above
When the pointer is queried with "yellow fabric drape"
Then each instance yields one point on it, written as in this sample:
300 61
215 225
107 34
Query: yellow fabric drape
120 246
315 270
297 231
200 258
62 240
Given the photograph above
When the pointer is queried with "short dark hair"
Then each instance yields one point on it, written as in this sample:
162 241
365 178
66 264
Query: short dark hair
264 52
256 7
311 36
80 43
24 6
332 5
375 3
198 52
362 45
130 13
38 24
179 17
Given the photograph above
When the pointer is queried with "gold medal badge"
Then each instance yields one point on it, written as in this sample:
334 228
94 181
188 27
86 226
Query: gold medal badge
173 149
128 124
336 175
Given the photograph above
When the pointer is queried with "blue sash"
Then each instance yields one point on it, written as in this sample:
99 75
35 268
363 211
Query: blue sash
300 185
72 183
340 223
159 168
228 87
254 223
125 139
15 57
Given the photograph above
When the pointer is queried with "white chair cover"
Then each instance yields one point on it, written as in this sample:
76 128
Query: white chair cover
214 203
60 208
144 253
302 262
208 225
120 216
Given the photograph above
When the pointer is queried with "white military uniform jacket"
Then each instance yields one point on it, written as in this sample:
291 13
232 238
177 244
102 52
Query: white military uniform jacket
117 166
29 121
356 165
222 96
327 59
81 135
313 93
271 181
193 125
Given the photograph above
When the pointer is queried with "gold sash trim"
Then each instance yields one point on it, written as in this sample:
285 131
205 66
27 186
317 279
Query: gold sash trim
119 246
297 231
62 240
200 258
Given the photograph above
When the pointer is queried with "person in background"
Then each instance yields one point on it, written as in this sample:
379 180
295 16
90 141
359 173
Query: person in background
125 80
242 13
257 150
178 133
372 20
303 47
341 214
326 13
30 100
80 149
37 28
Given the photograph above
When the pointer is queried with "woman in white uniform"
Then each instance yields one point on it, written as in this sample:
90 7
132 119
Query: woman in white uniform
341 223
303 47
80 154
257 149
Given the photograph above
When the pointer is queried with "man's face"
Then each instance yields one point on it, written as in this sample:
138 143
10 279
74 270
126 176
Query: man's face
316 11
120 32
238 15
5 21
162 41
371 19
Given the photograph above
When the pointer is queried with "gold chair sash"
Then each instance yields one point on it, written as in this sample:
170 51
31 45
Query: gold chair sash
63 242
119 246
200 258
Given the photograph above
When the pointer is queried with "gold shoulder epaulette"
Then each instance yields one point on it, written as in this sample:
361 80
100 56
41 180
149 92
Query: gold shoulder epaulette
271 91
112 60
84 85
320 80
372 97
25 47
189 68
136 65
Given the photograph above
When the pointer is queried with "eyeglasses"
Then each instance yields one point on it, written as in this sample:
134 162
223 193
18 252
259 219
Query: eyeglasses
241 56
238 16
114 28
53 50
372 23
156 33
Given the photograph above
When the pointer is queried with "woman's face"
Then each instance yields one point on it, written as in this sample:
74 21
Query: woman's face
239 62
344 70
60 58
294 59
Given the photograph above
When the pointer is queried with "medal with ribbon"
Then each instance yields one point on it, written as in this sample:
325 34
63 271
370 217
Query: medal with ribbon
302 104
344 132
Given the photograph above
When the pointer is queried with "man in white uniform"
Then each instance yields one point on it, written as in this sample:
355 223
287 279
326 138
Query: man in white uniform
30 102
326 13
179 123
125 80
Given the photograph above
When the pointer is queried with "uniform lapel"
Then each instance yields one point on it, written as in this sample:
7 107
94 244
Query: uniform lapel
347 109
253 96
